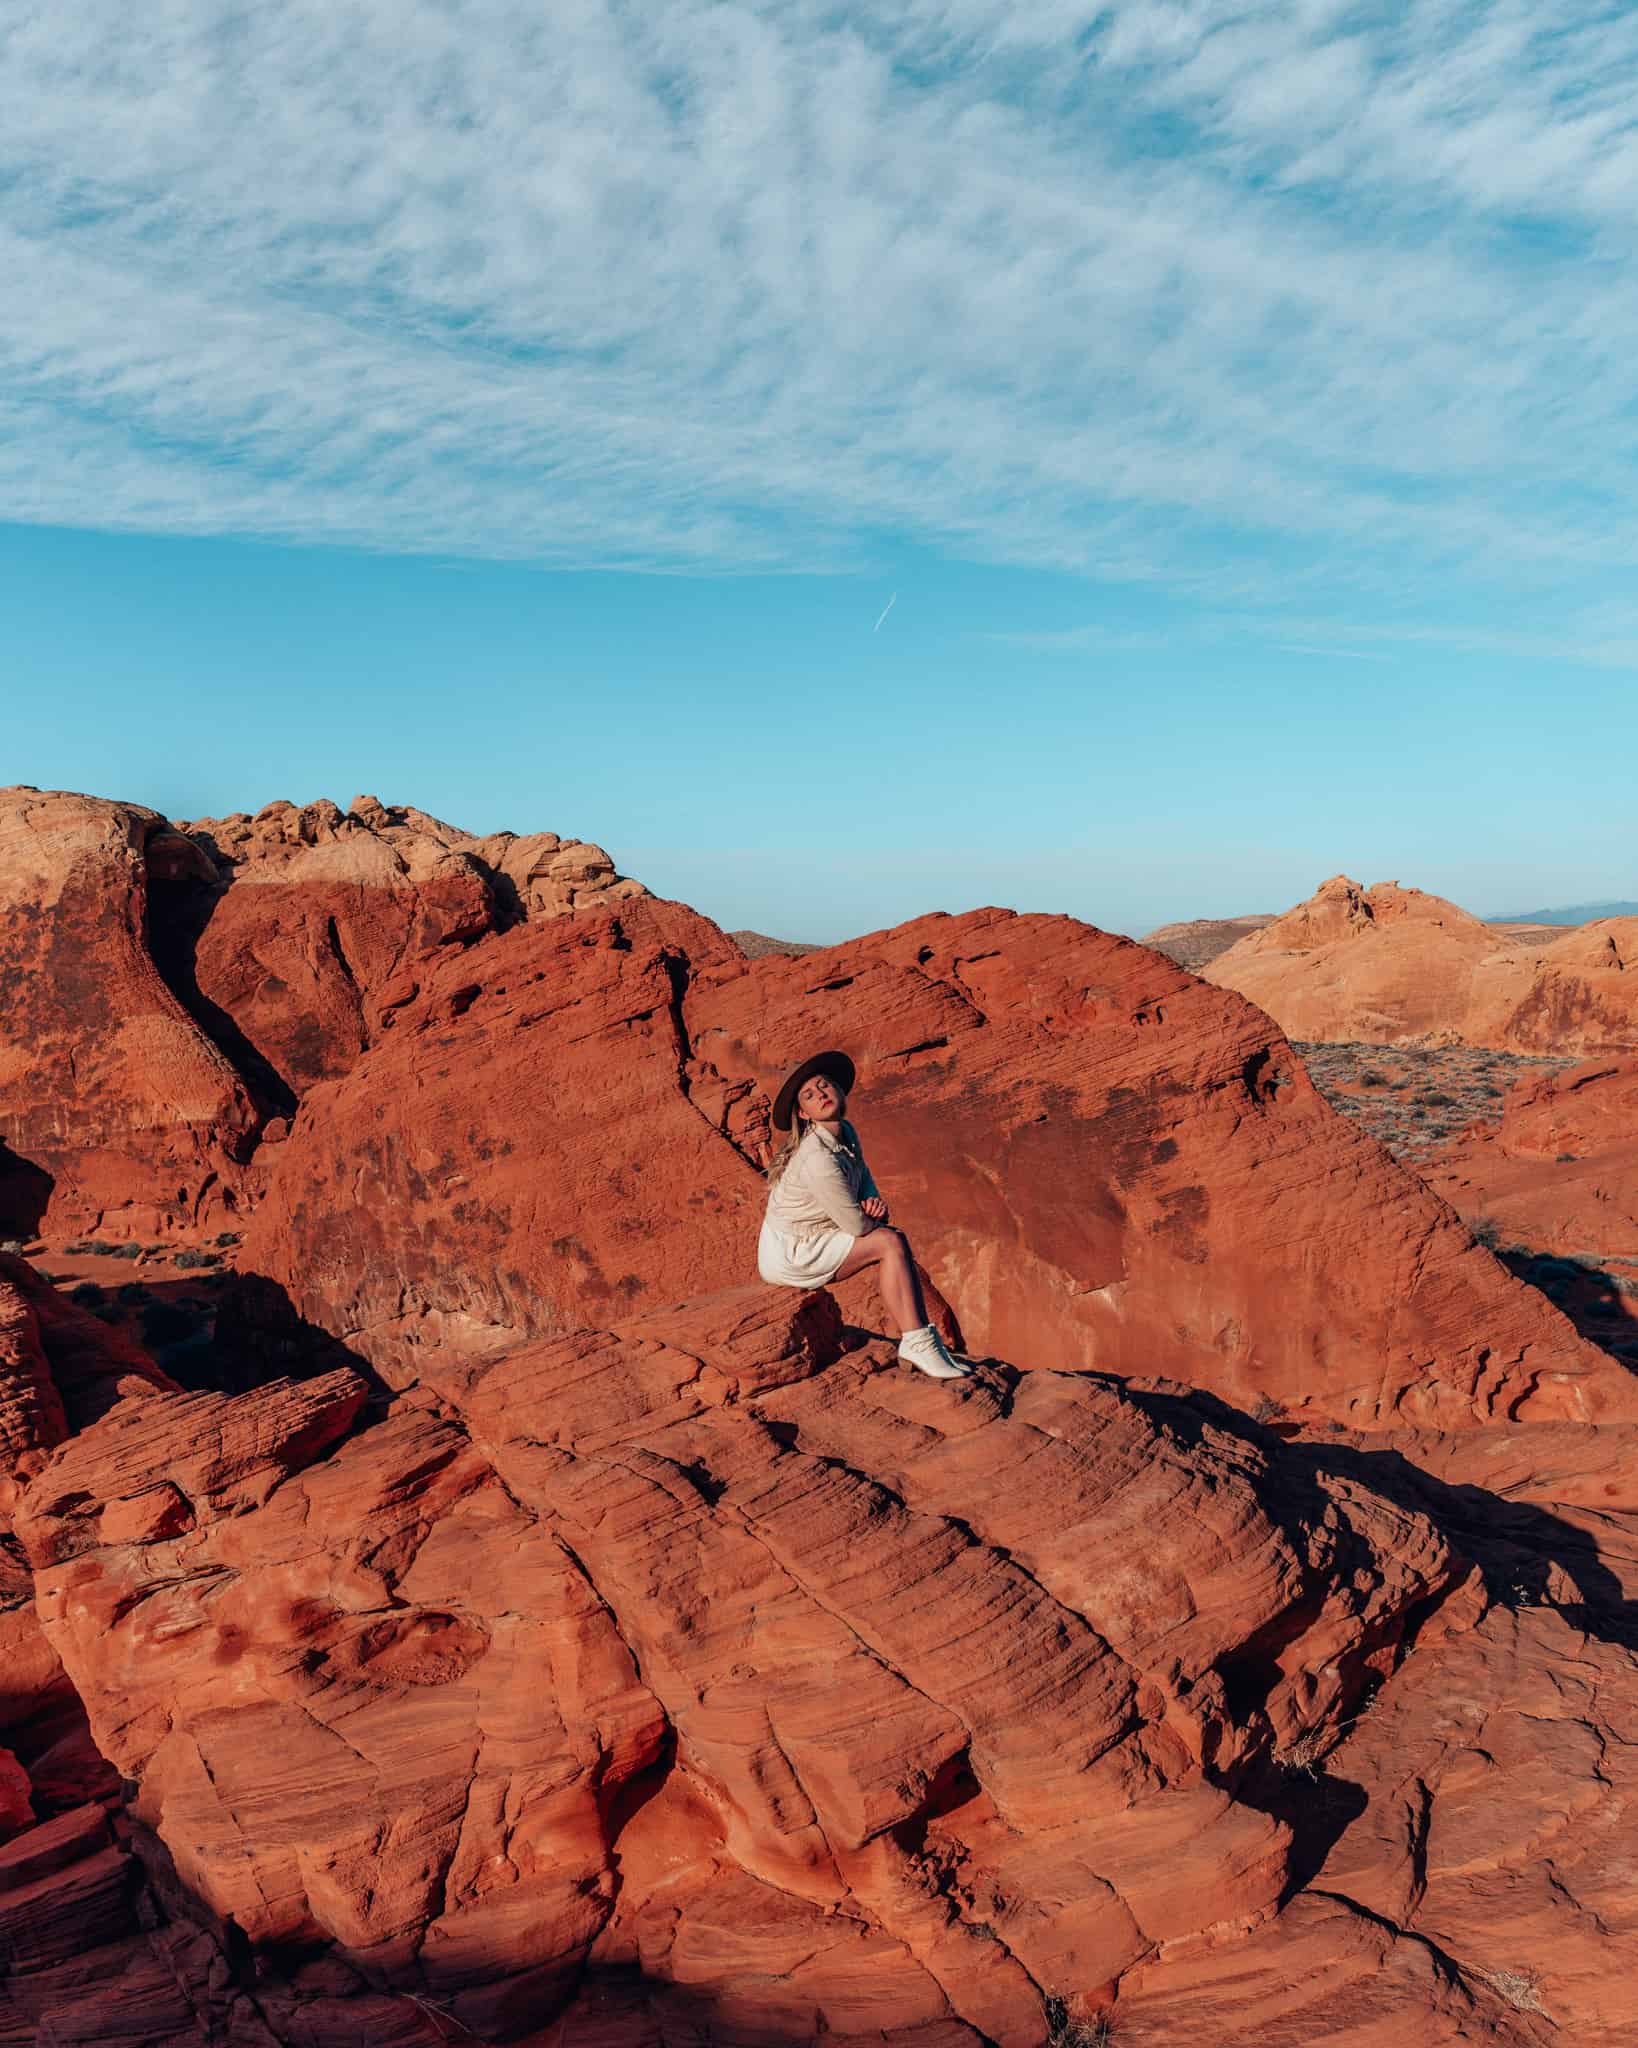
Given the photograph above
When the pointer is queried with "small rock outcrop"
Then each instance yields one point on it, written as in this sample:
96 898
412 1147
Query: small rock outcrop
1194 941
1555 1183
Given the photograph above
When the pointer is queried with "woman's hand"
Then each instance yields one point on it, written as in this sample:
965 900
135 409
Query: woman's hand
875 1208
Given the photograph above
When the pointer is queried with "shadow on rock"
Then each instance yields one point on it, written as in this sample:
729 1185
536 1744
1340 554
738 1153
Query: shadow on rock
218 1331
25 1194
172 1970
1587 1295
1519 1548
178 913
261 1335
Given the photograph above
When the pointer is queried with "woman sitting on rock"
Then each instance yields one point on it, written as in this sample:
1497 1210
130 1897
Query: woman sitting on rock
826 1219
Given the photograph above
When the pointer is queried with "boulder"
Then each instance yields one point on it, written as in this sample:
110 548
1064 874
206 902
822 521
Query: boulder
1101 1161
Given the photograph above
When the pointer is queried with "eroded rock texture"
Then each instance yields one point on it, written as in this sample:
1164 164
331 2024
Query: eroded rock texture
114 1106
1101 1161
317 919
564 1644
171 992
701 1651
1393 966
60 1369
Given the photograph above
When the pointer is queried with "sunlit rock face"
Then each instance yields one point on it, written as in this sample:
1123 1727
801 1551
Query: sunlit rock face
950 1696
1392 966
523 1626
1101 1161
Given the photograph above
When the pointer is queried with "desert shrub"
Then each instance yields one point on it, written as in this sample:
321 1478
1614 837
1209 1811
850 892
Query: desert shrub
122 1251
1064 2031
1486 1231
87 1294
189 1260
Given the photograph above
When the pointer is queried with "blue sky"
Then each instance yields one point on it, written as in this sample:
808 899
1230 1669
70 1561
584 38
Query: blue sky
527 414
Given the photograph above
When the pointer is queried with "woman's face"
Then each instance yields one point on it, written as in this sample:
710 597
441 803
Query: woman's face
820 1100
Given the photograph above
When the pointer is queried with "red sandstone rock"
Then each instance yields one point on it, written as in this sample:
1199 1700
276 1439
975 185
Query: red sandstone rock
1100 1159
784 1694
60 1369
319 919
699 1648
116 1111
1561 1169
1394 966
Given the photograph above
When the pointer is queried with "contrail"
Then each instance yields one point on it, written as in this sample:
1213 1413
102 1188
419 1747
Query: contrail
886 608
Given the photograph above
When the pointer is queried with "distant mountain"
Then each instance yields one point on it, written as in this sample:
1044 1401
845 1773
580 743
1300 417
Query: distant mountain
1570 913
755 945
1200 939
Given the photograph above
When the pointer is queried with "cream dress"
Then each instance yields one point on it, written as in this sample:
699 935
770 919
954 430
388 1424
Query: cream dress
814 1217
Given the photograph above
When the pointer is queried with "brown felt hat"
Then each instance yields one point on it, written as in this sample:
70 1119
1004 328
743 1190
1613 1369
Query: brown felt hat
836 1066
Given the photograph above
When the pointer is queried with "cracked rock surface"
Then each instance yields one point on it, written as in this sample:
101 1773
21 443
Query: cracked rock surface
704 1651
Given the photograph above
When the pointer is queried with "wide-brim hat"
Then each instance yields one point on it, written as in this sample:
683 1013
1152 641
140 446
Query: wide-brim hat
835 1066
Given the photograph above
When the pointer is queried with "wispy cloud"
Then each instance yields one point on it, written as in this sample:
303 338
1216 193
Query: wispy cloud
1329 653
1147 289
1089 639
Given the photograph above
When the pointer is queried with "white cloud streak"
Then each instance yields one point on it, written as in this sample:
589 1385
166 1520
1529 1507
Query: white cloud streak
1146 290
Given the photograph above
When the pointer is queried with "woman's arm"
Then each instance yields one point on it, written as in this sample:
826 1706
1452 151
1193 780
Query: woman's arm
826 1185
870 1196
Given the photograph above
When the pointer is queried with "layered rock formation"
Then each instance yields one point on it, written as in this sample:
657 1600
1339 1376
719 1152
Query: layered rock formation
703 1650
1101 1161
60 1369
1394 966
562 1643
701 1676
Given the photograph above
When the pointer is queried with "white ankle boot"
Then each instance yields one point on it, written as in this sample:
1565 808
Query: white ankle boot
924 1349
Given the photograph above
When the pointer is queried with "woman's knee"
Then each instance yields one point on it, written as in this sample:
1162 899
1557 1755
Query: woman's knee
897 1245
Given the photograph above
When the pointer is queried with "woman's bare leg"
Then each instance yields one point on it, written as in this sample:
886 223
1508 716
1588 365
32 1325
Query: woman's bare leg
885 1249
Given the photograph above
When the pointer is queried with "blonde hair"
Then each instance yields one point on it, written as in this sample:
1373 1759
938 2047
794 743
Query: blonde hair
787 1151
